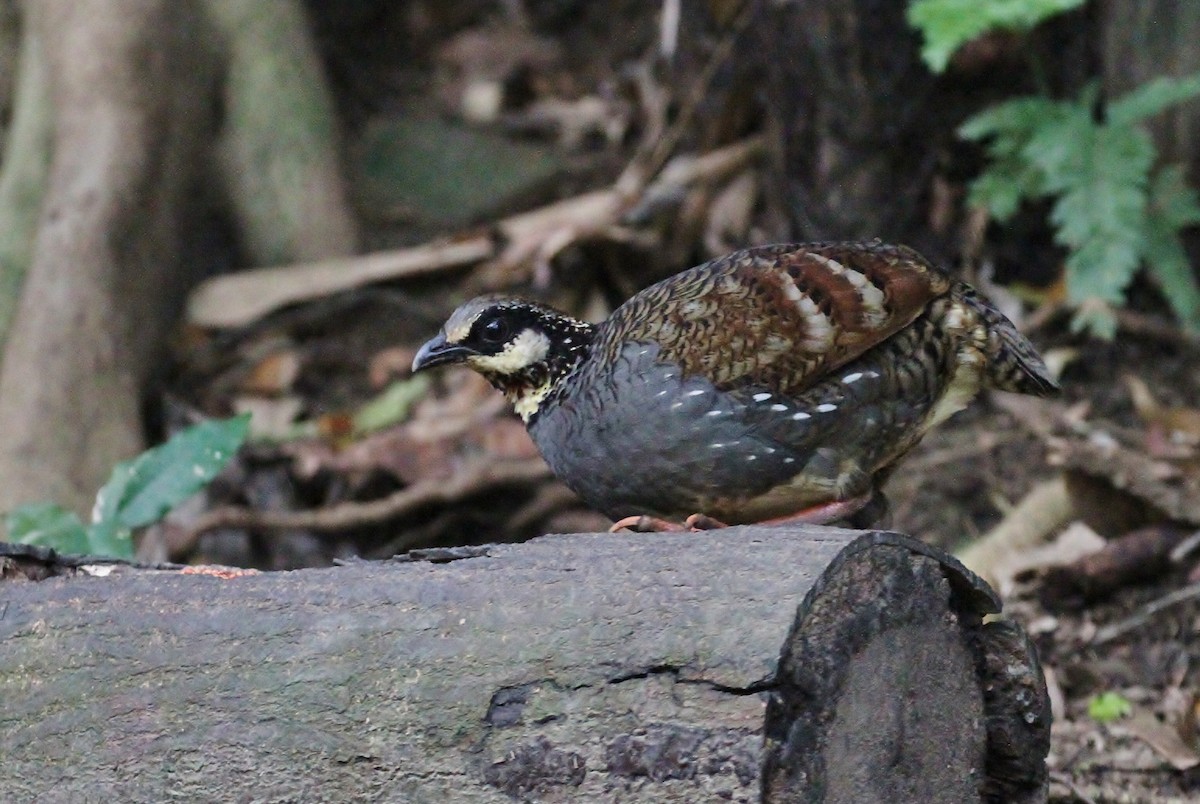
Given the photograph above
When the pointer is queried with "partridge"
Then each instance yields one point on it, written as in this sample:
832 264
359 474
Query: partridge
777 383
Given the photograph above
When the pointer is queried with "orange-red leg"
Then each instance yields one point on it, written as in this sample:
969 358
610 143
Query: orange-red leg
646 524
824 513
820 514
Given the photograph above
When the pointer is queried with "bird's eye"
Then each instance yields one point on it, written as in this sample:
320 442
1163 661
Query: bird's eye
494 331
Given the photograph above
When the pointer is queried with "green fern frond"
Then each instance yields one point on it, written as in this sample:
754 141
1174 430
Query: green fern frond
949 24
1112 210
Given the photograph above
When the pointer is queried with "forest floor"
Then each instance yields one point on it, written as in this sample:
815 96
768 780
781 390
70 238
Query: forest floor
962 482
320 363
1139 640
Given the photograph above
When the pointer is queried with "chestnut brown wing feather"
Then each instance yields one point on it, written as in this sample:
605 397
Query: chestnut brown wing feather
781 316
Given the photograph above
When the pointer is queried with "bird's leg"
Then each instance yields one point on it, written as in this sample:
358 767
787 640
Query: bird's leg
820 514
824 513
646 524
860 511
653 524
875 514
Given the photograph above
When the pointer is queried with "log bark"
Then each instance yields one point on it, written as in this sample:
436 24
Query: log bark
589 667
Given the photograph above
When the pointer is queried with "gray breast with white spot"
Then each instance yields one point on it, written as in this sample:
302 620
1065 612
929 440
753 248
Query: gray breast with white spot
632 436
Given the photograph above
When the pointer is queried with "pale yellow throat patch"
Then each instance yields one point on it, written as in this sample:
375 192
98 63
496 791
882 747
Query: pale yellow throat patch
526 402
520 353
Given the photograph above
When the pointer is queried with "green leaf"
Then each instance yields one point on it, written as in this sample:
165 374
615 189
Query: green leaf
1061 145
1171 200
948 24
1173 205
1108 706
107 506
47 525
50 525
1009 128
107 538
1016 119
392 405
1151 98
1010 177
1107 213
143 490
1100 213
1001 189
1096 317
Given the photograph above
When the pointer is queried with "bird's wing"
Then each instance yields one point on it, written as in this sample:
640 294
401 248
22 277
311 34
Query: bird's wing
779 317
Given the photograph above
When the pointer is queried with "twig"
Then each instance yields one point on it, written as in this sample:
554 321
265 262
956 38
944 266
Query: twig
548 499
1148 326
482 475
535 237
1038 417
1185 548
1045 509
1143 615
646 164
1128 321
238 299
936 458
234 300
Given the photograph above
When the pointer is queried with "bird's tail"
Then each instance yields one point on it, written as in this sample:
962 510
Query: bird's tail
1013 363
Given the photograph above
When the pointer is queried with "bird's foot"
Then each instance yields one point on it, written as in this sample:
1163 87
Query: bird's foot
857 512
646 524
653 524
703 522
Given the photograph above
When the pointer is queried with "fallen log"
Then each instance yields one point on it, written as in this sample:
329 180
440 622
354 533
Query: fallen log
587 667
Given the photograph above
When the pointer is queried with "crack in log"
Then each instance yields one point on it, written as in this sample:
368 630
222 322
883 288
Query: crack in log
676 672
507 704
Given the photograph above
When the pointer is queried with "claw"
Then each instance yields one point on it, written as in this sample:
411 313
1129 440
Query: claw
645 524
820 514
703 522
653 524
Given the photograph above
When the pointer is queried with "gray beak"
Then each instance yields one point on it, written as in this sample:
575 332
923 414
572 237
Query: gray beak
438 352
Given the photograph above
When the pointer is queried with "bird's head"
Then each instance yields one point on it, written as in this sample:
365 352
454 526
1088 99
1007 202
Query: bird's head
523 348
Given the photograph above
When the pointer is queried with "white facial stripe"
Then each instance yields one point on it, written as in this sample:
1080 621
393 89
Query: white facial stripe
521 352
458 330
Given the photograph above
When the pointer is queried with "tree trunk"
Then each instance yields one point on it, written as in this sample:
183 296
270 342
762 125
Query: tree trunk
858 119
590 667
23 172
866 134
279 144
1146 39
131 96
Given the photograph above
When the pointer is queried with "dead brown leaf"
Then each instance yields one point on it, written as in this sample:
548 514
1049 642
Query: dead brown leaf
1164 739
